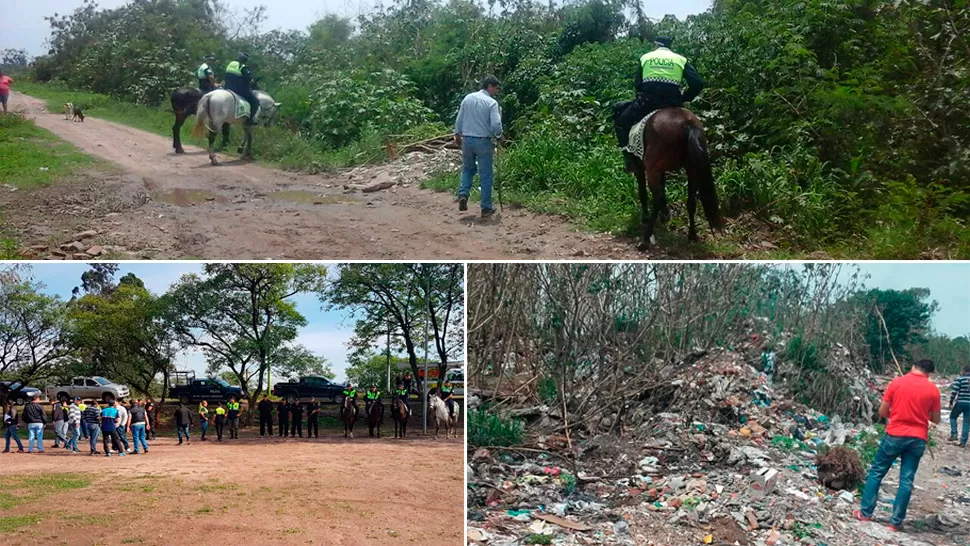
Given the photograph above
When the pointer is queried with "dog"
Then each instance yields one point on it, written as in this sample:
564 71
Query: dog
78 114
68 110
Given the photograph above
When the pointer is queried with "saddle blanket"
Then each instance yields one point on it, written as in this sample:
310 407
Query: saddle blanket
243 110
635 146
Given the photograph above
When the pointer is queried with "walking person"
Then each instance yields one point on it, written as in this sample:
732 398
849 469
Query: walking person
151 411
313 419
220 420
204 417
92 424
59 418
232 412
5 83
910 403
183 418
296 420
960 405
82 406
35 418
74 424
123 417
479 122
110 421
137 425
283 414
10 418
265 408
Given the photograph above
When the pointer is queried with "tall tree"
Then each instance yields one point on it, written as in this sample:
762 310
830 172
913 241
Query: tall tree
907 315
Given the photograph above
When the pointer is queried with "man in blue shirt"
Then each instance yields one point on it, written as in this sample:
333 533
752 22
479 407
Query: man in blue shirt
110 420
479 122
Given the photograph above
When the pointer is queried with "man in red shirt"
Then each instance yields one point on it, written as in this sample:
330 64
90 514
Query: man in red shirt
910 403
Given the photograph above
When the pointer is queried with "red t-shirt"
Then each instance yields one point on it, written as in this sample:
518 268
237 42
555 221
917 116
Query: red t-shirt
5 82
911 398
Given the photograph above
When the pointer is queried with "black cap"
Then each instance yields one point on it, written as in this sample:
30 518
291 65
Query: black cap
663 41
244 56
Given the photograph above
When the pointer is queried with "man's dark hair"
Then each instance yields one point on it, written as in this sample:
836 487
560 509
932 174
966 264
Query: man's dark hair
663 41
966 370
489 81
926 365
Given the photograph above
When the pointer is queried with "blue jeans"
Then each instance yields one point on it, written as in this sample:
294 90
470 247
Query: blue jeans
75 429
909 451
481 151
94 430
138 435
958 409
182 430
35 435
12 433
123 436
205 426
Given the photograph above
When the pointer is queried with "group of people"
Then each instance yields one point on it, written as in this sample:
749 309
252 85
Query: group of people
238 78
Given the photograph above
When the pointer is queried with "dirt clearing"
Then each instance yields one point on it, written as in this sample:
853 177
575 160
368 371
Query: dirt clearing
163 205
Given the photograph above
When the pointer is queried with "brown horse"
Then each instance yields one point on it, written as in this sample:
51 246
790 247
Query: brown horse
399 412
375 418
673 138
348 415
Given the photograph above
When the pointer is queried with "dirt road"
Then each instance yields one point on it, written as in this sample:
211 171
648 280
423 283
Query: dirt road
250 491
160 205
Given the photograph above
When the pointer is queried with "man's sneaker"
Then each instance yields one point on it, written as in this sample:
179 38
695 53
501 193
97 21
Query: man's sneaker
857 514
487 213
108 454
462 204
128 450
893 527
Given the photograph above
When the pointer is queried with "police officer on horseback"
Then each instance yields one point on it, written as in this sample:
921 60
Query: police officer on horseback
207 78
239 79
371 397
350 393
658 79
447 394
402 393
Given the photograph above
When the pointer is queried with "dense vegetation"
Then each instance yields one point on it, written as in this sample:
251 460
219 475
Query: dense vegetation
840 125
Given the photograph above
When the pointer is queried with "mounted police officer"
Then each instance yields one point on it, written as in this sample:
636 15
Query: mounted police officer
402 393
371 397
239 79
658 79
207 78
349 393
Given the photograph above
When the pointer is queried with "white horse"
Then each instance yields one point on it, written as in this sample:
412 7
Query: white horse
219 107
439 411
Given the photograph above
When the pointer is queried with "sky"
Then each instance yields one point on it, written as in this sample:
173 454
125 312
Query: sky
22 24
326 334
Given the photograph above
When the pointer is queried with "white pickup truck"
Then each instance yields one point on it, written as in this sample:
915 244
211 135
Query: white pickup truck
94 388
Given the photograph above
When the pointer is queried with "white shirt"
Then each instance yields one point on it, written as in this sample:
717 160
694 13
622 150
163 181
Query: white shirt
122 416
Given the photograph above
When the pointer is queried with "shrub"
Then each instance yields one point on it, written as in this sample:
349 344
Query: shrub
489 429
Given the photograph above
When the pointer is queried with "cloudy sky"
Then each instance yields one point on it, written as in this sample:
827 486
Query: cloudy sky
326 334
22 24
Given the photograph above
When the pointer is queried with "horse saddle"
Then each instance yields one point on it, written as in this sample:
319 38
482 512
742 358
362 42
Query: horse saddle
635 146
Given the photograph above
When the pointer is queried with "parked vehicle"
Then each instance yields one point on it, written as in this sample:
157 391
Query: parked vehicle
316 386
19 394
210 389
94 387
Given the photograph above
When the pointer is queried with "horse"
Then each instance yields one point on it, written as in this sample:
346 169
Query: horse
439 411
349 416
673 138
185 102
375 418
399 412
218 108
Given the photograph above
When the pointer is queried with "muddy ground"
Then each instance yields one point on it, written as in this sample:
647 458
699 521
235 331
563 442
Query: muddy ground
158 205
249 491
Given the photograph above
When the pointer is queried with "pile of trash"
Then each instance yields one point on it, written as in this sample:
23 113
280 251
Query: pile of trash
730 460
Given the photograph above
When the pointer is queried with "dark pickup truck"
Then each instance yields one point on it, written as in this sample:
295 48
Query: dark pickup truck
212 390
316 386
18 394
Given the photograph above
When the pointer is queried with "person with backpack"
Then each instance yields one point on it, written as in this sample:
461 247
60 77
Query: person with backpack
10 418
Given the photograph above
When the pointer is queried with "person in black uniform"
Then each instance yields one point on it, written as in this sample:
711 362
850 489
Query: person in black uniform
283 414
151 411
296 420
312 419
265 408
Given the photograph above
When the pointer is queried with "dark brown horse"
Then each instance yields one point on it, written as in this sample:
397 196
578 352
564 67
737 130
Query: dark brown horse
399 412
673 138
348 415
375 418
185 102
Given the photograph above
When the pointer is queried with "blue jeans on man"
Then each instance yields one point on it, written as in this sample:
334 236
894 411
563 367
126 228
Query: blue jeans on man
12 433
94 430
183 430
909 451
477 154
75 429
35 436
961 408
123 436
138 436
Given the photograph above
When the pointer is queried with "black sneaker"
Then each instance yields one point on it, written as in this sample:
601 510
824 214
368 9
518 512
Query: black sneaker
462 204
487 213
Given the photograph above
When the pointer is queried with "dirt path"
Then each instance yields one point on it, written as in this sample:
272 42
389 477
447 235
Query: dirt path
168 206
250 491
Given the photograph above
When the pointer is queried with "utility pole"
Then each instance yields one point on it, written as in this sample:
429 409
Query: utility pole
388 355
424 396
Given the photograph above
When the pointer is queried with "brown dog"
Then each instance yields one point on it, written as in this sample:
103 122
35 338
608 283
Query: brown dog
78 114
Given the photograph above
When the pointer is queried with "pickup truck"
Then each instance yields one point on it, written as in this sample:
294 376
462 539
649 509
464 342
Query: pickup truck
94 387
316 386
212 390
18 394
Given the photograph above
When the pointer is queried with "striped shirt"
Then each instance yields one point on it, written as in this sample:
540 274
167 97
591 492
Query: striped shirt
961 390
479 116
73 414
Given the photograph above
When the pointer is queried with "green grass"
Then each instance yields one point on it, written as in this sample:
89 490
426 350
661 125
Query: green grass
11 523
33 156
538 539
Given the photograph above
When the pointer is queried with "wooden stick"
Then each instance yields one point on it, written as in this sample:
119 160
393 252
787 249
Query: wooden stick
889 341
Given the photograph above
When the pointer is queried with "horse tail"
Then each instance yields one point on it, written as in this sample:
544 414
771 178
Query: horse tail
202 117
703 179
